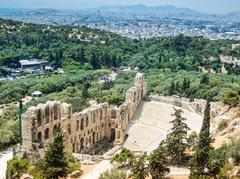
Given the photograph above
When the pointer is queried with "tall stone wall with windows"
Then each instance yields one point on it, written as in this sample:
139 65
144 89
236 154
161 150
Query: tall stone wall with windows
82 129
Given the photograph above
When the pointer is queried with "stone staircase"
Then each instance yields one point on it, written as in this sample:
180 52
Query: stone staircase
144 138
151 124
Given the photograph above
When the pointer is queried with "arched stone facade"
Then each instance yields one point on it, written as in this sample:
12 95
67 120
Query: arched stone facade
85 128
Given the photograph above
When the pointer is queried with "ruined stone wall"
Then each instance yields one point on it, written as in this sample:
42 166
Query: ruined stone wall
83 129
198 105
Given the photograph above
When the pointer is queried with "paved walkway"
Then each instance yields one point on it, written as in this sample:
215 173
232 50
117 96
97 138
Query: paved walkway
97 170
4 158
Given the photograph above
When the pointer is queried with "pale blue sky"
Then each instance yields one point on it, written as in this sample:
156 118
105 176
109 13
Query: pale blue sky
210 6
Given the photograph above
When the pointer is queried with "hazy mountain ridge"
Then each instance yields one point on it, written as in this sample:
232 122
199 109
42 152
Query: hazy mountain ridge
130 9
137 9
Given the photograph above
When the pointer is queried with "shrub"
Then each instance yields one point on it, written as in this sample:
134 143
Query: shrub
73 167
16 167
114 174
222 125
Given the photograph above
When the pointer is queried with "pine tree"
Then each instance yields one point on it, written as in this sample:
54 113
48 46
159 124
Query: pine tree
81 56
94 61
139 169
51 57
186 84
54 163
59 58
85 93
200 160
205 79
114 61
176 141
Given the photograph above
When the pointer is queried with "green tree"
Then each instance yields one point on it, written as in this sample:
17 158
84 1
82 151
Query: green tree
124 156
54 163
172 89
139 168
176 141
231 98
158 163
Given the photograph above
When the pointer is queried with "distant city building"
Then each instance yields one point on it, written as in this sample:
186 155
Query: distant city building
37 94
33 64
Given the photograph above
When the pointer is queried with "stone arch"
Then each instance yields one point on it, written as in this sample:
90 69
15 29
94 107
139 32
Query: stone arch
55 127
112 136
101 115
39 117
55 112
90 140
46 134
81 143
82 124
93 137
47 114
77 125
73 147
97 136
39 137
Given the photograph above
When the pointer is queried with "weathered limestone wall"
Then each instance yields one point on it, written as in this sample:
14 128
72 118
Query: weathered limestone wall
83 129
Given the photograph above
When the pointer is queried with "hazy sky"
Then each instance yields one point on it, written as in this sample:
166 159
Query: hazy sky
210 6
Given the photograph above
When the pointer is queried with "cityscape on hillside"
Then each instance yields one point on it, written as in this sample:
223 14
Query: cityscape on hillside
123 89
137 21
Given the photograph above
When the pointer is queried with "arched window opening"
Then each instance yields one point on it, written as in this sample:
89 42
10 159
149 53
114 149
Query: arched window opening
39 117
55 109
82 124
93 138
112 138
81 143
47 133
101 115
77 125
39 137
73 148
47 115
